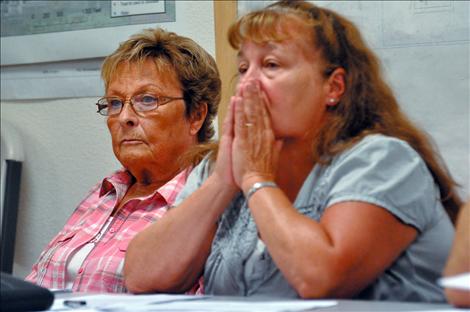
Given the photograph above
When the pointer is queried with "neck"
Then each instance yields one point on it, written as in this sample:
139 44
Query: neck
148 180
295 163
140 189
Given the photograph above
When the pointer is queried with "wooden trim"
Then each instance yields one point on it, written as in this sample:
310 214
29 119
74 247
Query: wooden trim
225 13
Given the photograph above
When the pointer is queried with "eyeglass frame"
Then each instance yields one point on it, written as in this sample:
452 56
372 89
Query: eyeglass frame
161 100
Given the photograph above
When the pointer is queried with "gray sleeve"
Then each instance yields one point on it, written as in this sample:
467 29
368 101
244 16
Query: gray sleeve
195 179
389 173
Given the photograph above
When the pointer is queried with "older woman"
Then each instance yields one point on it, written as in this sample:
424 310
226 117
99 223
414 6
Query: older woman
321 186
162 93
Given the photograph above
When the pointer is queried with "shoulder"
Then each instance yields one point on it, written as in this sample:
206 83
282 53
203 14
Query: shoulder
386 172
378 145
195 179
202 170
380 154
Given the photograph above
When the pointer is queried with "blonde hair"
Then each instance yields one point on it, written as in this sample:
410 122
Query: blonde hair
368 104
195 69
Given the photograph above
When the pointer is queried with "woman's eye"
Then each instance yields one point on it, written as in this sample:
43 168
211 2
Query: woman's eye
242 69
271 65
114 103
148 99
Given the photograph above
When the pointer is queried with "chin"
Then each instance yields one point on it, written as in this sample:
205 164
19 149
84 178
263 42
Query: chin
127 159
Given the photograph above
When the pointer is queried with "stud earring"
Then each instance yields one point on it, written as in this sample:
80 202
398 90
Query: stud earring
331 101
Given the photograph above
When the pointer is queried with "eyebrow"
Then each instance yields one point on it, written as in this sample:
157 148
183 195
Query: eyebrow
143 88
268 45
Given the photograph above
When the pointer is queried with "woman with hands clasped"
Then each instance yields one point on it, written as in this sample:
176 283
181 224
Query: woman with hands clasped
321 186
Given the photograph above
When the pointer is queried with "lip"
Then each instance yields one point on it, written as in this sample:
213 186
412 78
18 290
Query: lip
131 142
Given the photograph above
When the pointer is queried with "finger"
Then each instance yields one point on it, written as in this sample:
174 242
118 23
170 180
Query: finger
238 90
239 117
227 128
263 110
250 96
251 103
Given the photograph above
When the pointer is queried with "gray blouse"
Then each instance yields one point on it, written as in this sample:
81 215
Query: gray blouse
381 170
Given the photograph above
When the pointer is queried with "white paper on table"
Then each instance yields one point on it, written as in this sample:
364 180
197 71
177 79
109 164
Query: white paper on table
445 310
238 306
116 301
460 281
162 302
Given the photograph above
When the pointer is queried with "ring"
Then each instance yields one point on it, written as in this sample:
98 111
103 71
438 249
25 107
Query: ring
248 124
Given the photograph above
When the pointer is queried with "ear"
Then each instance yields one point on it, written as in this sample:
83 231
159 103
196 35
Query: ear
197 118
336 86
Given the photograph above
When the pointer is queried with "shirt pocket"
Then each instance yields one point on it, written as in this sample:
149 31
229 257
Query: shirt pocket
60 242
122 246
48 260
67 236
118 261
55 243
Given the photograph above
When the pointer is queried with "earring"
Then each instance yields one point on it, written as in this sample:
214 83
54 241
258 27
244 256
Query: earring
331 101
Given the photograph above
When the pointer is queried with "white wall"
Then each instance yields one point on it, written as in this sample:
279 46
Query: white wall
68 148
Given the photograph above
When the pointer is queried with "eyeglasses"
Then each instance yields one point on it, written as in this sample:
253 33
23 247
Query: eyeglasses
110 106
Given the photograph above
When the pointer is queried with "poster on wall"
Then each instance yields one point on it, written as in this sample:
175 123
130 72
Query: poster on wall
69 30
70 38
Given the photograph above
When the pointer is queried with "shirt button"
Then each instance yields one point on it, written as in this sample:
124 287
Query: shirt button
111 230
80 271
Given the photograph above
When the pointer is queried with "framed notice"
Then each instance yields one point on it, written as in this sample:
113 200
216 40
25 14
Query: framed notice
68 30
54 49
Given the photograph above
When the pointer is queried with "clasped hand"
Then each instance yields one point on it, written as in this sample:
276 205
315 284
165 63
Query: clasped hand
248 150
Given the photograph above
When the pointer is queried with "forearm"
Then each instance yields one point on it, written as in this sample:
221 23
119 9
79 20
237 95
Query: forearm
459 258
169 255
299 246
330 258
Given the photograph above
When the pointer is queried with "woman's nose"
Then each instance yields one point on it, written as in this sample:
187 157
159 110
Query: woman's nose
251 74
251 77
128 116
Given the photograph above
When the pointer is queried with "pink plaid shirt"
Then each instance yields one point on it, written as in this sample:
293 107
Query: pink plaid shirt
101 271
